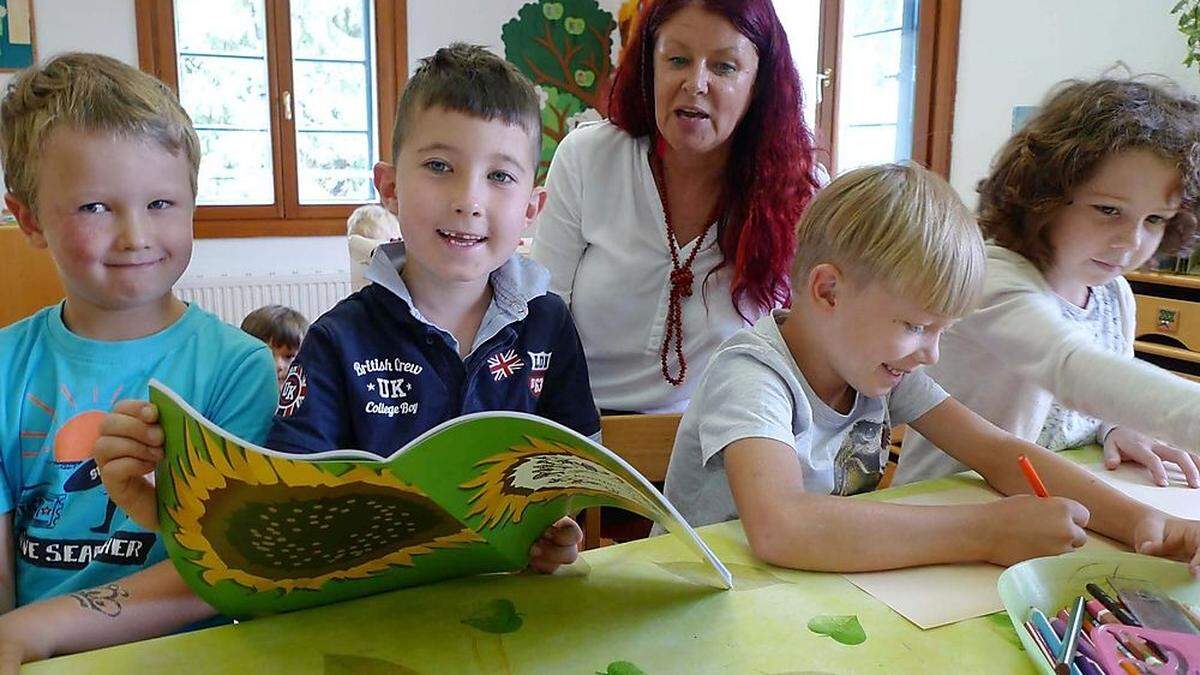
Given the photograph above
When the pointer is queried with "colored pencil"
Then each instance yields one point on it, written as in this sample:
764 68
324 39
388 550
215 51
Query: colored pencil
1035 481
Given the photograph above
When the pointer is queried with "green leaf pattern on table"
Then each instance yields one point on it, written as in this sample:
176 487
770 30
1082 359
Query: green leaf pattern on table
495 616
843 628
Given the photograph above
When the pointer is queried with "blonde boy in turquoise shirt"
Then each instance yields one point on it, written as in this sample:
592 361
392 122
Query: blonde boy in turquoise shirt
101 166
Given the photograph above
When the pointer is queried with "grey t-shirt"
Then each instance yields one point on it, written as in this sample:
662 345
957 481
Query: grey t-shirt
753 388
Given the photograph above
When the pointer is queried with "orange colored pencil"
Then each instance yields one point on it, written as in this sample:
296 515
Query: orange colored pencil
1031 475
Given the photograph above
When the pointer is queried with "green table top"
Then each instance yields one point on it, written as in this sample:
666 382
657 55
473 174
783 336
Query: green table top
640 604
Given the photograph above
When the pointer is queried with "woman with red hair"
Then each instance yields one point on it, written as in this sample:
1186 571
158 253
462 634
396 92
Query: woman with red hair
671 225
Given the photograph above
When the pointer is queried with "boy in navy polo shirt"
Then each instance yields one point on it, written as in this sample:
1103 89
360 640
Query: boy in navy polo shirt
455 321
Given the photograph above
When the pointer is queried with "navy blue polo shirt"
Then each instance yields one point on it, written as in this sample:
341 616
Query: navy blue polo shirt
373 374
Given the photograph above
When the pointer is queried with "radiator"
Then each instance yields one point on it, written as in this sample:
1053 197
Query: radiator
233 297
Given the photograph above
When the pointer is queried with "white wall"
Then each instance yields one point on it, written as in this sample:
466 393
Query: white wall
1012 51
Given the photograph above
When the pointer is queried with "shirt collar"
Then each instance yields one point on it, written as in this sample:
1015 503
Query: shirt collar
515 284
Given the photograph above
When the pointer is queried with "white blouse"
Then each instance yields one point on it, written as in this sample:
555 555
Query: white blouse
1015 355
603 236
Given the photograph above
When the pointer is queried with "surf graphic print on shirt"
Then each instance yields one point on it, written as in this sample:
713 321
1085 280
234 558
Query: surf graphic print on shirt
64 521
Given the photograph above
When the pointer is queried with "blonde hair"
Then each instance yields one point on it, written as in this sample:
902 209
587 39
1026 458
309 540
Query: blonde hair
898 224
373 222
88 92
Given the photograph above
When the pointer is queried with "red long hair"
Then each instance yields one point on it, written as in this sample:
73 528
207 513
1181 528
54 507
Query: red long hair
769 180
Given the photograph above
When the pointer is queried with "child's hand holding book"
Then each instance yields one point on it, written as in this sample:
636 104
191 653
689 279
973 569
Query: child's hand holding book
129 447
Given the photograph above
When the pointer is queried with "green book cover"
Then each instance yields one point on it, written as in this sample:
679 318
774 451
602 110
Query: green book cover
254 531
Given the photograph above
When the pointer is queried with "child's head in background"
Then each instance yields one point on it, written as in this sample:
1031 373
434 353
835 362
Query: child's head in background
282 328
372 221
1103 177
887 257
465 152
100 163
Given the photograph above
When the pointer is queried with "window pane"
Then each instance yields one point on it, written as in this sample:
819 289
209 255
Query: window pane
329 29
222 64
335 167
863 145
221 92
878 73
220 27
333 72
870 90
331 96
236 167
869 16
802 21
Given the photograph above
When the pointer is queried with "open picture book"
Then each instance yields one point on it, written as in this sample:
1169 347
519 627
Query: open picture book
254 531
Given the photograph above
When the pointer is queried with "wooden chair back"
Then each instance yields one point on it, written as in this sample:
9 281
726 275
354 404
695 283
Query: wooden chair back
27 274
645 441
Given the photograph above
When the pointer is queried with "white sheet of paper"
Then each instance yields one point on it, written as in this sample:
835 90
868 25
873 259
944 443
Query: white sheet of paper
936 595
1177 499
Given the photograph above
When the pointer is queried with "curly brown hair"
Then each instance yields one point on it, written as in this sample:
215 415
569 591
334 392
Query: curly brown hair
1079 125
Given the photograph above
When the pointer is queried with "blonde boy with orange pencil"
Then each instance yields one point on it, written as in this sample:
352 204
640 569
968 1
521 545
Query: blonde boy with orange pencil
794 414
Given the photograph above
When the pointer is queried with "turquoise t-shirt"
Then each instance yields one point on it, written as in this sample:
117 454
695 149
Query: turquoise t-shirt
55 388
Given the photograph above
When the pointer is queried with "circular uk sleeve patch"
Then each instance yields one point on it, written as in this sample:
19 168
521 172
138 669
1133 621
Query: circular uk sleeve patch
292 391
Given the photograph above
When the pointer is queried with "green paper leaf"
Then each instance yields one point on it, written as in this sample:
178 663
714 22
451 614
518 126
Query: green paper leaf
552 11
349 664
844 628
495 616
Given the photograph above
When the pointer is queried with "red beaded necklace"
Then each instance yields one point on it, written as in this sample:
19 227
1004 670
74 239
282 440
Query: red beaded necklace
681 274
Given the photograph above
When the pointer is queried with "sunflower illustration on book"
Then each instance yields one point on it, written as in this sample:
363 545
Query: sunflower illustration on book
270 523
254 531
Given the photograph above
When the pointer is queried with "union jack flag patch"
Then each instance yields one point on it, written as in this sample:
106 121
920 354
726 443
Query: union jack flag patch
502 366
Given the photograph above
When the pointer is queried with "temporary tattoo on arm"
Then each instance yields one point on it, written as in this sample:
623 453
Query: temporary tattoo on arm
105 599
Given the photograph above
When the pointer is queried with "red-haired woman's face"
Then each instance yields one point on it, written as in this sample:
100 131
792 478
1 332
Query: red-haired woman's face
704 72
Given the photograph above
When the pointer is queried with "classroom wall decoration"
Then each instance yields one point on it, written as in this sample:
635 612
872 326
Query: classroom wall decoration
16 34
565 47
1189 25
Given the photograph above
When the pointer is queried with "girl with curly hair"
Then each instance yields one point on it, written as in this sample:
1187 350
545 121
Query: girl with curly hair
1104 177
670 226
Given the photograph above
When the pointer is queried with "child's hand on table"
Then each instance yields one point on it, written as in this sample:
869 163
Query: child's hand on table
558 545
129 447
1123 443
1162 535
